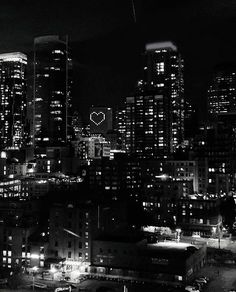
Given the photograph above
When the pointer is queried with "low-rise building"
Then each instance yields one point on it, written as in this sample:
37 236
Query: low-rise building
199 215
70 237
163 261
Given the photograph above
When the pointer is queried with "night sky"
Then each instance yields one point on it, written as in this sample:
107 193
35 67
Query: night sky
107 43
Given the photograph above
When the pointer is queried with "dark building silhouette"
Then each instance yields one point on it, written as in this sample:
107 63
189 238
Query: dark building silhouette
199 215
214 150
52 91
155 113
164 75
100 119
222 91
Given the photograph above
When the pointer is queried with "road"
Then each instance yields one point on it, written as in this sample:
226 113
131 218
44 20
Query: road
222 278
225 243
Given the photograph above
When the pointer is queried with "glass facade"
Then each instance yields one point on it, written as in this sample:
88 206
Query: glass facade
164 75
52 91
155 114
222 92
13 99
145 126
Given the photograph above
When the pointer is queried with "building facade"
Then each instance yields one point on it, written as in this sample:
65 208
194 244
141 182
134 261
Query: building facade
154 115
13 99
164 76
70 235
222 92
199 215
52 91
147 135
175 262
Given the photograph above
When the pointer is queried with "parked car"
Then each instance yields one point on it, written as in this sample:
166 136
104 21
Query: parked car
201 280
204 277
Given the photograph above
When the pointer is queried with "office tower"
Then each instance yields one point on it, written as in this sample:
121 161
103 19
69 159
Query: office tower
147 133
100 119
155 114
13 99
164 76
52 91
222 91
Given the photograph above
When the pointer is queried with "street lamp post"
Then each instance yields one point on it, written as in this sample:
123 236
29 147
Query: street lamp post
178 231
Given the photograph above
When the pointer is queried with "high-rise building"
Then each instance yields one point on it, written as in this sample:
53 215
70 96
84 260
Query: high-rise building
164 76
52 91
147 134
155 114
222 91
13 99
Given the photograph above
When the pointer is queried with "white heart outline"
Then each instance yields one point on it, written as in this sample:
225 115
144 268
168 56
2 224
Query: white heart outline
97 114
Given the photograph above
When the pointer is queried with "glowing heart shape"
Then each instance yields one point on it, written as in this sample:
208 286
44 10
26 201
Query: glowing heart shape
97 118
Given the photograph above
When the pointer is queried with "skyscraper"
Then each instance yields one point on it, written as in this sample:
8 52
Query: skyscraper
164 75
155 114
52 91
13 99
222 91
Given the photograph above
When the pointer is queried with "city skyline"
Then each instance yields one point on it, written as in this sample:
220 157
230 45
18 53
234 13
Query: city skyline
118 146
110 28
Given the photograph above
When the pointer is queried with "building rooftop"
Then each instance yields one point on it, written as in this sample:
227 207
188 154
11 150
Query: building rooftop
13 57
170 249
171 245
161 45
48 39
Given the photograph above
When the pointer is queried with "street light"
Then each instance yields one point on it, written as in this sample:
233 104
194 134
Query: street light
178 231
53 271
